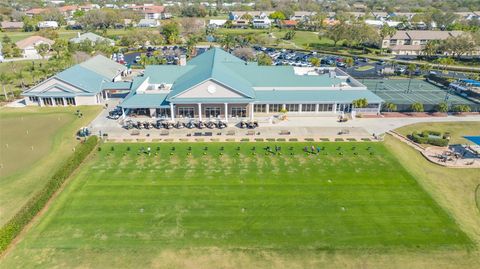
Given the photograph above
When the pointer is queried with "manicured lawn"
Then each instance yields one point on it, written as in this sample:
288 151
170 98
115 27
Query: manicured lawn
17 36
23 169
127 207
456 129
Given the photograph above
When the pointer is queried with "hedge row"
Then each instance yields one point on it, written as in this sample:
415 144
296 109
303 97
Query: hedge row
13 227
424 138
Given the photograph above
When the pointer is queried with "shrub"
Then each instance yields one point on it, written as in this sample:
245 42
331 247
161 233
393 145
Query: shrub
293 139
309 139
15 225
281 139
338 139
259 139
271 139
244 140
425 138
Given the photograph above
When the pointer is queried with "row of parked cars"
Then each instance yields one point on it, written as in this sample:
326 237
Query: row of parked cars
303 59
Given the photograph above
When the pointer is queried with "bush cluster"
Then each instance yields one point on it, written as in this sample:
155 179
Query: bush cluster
425 138
13 227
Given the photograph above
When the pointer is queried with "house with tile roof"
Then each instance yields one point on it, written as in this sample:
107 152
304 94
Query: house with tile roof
87 83
217 84
11 25
28 46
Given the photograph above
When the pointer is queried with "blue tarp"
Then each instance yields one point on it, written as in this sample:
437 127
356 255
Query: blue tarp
474 139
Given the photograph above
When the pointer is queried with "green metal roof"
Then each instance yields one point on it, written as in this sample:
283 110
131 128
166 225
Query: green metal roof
118 85
280 76
83 78
211 65
165 73
322 96
151 100
103 66
64 93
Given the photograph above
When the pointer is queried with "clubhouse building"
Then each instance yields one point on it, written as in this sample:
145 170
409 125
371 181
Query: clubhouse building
219 85
86 83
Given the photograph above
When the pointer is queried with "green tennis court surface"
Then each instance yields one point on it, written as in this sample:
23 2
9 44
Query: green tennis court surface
397 91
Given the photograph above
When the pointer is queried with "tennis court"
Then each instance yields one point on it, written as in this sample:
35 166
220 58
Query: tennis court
399 92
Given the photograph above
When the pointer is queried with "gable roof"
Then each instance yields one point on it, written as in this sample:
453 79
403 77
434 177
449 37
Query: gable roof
90 36
103 66
12 24
33 41
212 65
89 76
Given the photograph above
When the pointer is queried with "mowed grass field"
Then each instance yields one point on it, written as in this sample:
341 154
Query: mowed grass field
457 130
128 208
33 143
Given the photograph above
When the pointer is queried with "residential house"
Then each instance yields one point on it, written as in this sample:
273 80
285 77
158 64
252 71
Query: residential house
35 11
237 15
47 25
68 11
302 16
87 83
148 23
288 24
12 25
240 24
93 38
359 7
28 46
216 23
261 21
412 42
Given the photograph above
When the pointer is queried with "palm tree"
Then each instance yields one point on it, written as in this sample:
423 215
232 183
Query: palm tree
191 43
5 79
390 106
426 68
228 42
430 48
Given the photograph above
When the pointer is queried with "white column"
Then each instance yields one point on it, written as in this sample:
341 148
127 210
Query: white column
251 111
316 108
64 101
299 108
199 111
123 113
226 112
172 111
267 109
40 101
334 107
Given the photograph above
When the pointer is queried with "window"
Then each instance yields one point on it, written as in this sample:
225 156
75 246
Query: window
163 112
308 107
58 101
212 112
33 98
186 112
47 101
292 107
239 112
70 101
325 107
275 107
260 108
